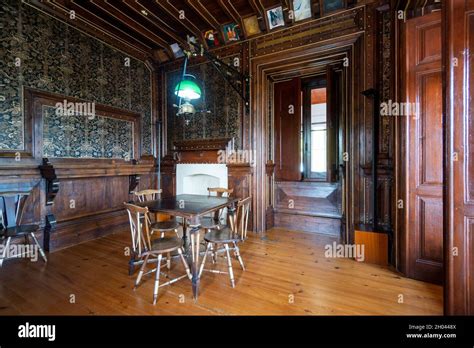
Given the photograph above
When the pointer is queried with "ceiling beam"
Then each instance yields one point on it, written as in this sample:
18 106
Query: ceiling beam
231 11
175 13
138 8
63 9
205 14
257 5
126 19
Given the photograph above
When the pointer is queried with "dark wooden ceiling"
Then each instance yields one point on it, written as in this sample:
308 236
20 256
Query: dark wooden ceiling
146 28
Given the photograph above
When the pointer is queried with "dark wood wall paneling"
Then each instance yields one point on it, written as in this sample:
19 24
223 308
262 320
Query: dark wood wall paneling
422 153
458 159
305 49
323 33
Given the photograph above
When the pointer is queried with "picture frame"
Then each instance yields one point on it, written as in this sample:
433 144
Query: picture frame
177 51
212 38
302 10
231 32
274 17
251 26
330 6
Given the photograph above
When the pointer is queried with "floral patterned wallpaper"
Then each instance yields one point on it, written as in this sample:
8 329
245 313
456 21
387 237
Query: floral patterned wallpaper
218 97
41 52
79 136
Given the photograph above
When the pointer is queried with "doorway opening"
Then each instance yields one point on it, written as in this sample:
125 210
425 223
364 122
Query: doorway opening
309 131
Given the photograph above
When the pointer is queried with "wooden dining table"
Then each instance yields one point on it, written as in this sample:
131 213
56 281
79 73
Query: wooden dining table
191 208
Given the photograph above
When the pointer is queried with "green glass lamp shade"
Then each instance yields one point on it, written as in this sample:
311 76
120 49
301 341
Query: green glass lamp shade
188 89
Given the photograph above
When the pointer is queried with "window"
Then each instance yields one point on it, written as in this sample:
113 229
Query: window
315 130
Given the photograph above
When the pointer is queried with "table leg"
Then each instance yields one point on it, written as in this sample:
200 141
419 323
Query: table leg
232 218
195 236
185 236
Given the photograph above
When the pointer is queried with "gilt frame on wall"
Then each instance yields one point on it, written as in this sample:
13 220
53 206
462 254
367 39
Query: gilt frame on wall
251 26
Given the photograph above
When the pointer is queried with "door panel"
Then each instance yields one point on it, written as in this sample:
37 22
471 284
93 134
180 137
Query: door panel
287 106
459 163
424 144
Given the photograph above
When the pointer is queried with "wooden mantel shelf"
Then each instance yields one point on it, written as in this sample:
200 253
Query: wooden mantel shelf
202 144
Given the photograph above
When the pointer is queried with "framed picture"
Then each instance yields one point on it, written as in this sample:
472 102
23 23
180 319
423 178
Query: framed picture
231 32
251 26
328 6
177 51
301 10
212 38
275 18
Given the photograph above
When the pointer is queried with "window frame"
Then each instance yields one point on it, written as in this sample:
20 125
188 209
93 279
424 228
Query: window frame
309 84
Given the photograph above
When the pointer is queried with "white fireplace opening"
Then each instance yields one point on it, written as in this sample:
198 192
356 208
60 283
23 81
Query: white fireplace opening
196 178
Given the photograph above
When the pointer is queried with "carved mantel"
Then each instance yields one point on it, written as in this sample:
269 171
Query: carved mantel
199 150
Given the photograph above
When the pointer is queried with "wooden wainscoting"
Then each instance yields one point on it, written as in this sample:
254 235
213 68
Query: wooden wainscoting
308 206
89 203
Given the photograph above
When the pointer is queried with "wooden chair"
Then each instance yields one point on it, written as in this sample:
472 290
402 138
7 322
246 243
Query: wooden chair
243 212
228 235
161 227
147 247
12 205
210 222
158 226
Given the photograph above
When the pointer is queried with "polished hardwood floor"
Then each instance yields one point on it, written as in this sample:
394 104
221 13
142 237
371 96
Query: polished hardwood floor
287 274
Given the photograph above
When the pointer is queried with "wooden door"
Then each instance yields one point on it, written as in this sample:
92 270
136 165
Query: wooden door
459 163
424 149
287 114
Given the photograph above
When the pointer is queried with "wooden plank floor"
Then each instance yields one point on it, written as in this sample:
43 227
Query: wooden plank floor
287 274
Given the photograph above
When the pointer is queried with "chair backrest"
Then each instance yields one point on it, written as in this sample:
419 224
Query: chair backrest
12 206
139 227
148 195
220 191
243 210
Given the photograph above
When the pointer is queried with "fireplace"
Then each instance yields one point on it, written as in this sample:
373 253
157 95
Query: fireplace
195 178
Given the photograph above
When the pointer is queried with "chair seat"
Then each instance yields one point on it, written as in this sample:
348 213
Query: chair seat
164 226
208 222
165 245
224 235
19 230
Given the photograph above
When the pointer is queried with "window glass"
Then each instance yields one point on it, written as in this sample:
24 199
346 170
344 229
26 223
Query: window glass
318 134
